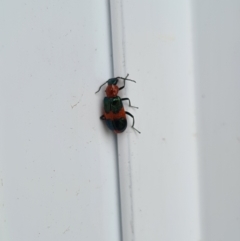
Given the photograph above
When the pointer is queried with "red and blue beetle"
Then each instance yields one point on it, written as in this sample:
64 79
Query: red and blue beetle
114 113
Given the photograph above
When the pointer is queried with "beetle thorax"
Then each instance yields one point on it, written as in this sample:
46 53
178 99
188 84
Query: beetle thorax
112 90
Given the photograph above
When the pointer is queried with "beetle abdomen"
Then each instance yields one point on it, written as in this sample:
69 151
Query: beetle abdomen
120 125
117 125
114 114
113 104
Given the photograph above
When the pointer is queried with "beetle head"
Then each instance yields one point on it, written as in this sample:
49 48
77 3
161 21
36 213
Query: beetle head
112 89
112 81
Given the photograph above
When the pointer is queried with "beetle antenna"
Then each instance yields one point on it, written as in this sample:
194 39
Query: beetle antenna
126 78
100 87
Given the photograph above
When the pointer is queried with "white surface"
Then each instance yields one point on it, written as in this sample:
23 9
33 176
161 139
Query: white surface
159 55
58 167
185 165
58 161
217 77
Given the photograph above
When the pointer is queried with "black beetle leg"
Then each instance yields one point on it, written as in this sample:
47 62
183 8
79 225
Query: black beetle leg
129 102
133 121
102 117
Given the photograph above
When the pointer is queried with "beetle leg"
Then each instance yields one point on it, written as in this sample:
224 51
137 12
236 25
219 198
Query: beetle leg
129 102
133 121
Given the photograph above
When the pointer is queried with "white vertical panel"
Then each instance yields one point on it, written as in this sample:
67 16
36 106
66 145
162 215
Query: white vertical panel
162 160
58 163
217 61
183 170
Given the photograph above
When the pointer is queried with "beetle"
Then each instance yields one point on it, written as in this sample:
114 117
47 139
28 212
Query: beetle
114 113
